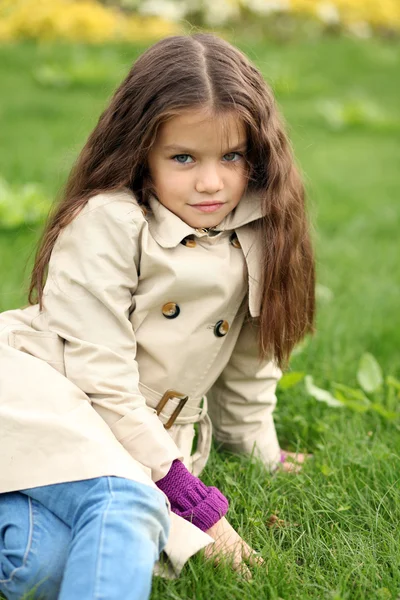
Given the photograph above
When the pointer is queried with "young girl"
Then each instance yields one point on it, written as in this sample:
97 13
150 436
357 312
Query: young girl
180 276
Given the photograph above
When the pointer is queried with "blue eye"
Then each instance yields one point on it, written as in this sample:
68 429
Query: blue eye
233 153
177 156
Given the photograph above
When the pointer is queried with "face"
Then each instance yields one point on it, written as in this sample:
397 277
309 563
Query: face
197 166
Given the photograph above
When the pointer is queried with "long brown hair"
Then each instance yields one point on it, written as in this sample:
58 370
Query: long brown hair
192 71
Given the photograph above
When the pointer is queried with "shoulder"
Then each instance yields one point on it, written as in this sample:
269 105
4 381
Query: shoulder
109 221
113 206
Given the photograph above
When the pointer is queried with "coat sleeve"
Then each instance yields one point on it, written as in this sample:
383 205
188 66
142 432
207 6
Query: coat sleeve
88 297
242 401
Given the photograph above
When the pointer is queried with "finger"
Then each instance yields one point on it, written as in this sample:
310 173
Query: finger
220 552
294 456
255 560
232 559
245 572
298 457
240 567
289 467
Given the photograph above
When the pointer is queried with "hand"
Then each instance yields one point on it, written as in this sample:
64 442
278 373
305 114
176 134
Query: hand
293 465
230 546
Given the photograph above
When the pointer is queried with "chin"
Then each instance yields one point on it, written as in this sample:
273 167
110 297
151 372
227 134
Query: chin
206 223
206 220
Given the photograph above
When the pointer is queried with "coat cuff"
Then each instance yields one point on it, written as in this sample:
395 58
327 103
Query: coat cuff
262 444
184 541
141 429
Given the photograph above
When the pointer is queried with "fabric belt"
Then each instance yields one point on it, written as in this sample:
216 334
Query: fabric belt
190 411
175 408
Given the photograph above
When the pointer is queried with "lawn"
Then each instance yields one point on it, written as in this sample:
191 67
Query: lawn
340 99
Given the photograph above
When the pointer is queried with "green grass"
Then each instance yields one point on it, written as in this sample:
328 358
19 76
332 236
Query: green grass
340 99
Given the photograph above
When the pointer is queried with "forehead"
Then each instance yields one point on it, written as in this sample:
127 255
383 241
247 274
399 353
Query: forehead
202 130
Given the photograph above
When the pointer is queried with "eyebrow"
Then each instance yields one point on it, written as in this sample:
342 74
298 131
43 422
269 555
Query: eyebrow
184 150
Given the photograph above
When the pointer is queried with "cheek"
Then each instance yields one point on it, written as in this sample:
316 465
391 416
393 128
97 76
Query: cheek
170 181
239 177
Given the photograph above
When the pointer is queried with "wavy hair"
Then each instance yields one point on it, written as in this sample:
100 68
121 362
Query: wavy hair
197 71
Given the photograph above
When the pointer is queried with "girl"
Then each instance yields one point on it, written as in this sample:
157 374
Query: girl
180 276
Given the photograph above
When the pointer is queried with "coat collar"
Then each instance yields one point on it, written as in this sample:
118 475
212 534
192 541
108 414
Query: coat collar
169 230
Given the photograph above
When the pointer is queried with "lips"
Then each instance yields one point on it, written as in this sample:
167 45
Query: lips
208 203
208 206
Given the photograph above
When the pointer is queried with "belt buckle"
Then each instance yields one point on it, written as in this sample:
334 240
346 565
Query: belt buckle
167 396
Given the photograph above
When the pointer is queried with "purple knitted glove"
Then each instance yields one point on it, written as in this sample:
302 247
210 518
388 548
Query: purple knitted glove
191 499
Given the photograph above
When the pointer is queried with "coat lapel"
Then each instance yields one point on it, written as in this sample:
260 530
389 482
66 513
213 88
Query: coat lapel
251 246
169 230
249 210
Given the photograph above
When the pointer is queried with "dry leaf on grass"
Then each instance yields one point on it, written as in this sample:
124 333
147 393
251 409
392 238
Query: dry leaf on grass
274 521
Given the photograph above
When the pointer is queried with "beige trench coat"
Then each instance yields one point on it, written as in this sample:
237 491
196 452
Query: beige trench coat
131 293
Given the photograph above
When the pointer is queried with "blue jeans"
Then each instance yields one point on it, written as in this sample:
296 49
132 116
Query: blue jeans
91 539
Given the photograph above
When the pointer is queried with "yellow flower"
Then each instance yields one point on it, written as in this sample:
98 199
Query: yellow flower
90 21
136 28
83 20
382 13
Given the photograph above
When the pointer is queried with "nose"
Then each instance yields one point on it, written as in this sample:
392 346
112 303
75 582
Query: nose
209 180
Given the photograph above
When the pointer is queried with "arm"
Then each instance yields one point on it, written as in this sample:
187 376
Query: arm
242 401
88 297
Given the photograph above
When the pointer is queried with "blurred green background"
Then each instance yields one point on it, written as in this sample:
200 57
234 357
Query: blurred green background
334 68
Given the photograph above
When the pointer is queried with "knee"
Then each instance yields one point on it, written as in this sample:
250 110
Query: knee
33 548
147 504
134 502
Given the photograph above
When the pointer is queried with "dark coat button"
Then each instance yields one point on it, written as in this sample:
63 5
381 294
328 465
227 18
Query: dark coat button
189 242
221 328
234 240
171 310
